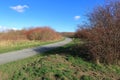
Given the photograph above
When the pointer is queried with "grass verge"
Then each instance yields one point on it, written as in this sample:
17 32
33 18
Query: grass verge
58 64
7 46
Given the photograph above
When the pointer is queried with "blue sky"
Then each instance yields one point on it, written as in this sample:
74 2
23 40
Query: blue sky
61 15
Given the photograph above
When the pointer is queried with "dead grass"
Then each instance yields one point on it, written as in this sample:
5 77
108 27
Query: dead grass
6 43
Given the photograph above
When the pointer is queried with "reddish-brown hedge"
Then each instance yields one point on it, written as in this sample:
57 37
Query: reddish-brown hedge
42 33
39 33
103 34
13 35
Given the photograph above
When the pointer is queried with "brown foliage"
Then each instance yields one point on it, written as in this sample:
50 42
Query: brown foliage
68 34
82 33
13 35
42 33
39 33
103 34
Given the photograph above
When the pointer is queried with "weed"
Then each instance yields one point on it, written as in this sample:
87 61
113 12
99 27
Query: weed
85 77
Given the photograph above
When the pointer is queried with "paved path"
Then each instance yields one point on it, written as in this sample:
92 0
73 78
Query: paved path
21 54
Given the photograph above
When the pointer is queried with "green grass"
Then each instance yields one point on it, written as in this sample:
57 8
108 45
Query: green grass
58 64
13 46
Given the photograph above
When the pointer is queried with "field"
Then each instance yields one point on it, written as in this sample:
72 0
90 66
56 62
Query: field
58 64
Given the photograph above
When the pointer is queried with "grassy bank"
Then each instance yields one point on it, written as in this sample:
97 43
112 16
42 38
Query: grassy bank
13 45
58 64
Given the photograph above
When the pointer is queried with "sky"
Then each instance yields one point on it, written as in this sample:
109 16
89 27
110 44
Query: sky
60 15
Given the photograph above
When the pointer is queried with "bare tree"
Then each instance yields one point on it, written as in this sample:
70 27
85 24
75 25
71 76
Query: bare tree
104 33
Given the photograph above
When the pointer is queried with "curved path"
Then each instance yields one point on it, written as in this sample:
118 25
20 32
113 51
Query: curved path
21 54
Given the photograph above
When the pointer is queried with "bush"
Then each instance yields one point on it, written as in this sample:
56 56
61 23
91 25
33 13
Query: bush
39 33
68 34
13 35
42 33
103 33
82 33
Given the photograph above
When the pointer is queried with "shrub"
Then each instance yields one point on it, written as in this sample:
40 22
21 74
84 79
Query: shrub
13 35
68 34
82 33
42 33
103 33
39 33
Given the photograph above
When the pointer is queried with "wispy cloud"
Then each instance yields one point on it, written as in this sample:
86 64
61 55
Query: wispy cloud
4 28
19 8
76 17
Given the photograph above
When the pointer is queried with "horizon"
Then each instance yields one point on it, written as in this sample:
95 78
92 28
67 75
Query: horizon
60 15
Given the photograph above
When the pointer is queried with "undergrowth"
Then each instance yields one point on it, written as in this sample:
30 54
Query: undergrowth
58 64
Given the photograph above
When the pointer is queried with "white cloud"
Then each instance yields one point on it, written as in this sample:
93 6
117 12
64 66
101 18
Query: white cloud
77 17
4 28
14 28
19 8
